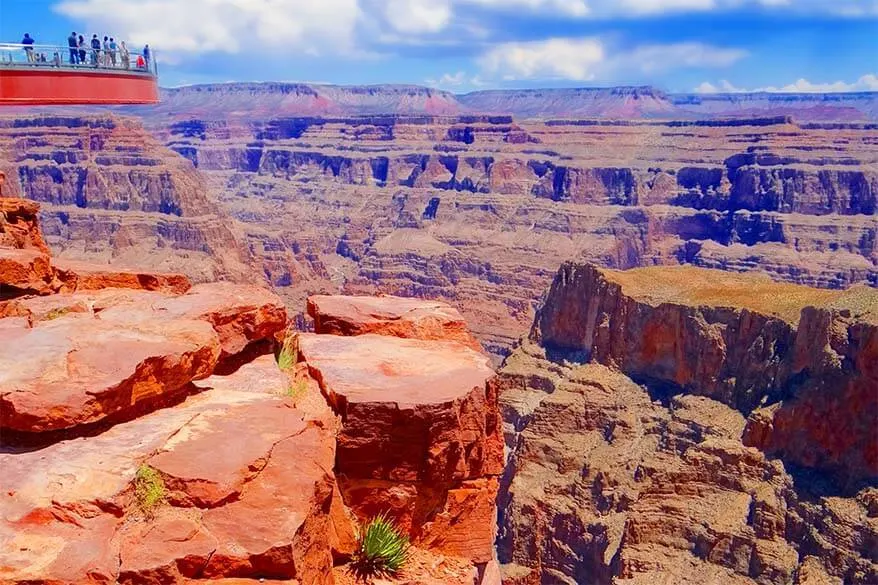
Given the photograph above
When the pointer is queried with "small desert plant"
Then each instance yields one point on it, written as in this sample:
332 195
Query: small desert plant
57 312
297 389
289 352
382 548
149 489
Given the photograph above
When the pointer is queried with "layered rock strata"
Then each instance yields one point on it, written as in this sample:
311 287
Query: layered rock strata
481 210
691 426
110 192
478 210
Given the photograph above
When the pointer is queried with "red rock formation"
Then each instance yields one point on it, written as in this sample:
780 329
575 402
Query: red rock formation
610 480
19 226
389 315
419 436
86 276
101 390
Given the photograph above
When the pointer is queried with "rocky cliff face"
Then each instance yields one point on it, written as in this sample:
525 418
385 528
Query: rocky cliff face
149 436
480 210
700 424
110 191
476 209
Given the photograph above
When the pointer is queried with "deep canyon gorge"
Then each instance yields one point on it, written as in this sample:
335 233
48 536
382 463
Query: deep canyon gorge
677 293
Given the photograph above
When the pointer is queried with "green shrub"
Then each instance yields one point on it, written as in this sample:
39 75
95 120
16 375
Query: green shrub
149 490
382 548
289 352
57 312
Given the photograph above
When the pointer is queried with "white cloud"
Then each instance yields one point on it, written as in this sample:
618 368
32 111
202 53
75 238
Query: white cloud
448 79
657 58
868 82
231 26
550 7
575 59
455 80
584 59
418 16
290 28
640 7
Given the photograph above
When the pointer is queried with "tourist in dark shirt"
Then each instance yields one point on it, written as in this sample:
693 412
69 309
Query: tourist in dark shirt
28 43
81 45
95 50
74 51
146 55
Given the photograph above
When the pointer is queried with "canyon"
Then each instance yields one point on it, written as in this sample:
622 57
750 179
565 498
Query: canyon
475 209
679 295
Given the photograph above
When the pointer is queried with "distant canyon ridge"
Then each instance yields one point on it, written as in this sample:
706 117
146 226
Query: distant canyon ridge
476 198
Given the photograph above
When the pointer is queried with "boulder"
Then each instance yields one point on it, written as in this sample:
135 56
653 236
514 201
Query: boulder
412 410
68 512
389 315
240 313
20 226
81 370
24 271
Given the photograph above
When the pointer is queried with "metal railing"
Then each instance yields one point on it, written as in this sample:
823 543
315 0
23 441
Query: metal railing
83 58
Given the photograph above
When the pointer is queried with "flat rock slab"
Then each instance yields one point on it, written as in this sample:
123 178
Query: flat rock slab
240 313
411 409
389 315
76 370
68 513
87 276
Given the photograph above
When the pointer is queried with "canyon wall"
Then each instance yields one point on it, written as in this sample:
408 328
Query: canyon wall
684 425
110 192
478 209
481 210
277 99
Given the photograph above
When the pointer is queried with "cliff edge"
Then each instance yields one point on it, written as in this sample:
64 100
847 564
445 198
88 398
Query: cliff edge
692 425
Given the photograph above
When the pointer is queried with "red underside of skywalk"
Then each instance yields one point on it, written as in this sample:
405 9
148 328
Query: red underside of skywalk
48 86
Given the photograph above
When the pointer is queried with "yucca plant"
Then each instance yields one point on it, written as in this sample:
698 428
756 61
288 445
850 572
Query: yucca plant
382 548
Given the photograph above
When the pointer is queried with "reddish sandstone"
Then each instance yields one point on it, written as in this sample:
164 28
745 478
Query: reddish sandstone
19 225
67 512
389 315
76 276
413 410
25 271
240 313
81 370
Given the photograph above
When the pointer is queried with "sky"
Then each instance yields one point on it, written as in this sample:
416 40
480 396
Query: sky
466 45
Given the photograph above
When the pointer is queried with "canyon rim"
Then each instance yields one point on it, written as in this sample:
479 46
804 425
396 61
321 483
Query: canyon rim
546 324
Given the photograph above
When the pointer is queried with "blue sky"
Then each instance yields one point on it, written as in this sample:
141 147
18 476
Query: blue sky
463 45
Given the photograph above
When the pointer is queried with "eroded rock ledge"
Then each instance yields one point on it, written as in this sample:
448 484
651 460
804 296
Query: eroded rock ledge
695 424
259 473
